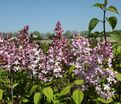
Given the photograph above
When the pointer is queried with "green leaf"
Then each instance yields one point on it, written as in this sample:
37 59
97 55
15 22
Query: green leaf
9 102
116 45
112 9
77 96
106 2
25 100
37 97
117 103
119 49
33 89
1 94
16 84
48 92
104 101
65 90
116 36
56 102
92 24
112 21
79 82
118 77
71 69
99 5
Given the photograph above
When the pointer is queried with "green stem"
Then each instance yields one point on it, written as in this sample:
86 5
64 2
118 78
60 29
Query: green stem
104 30
11 86
119 91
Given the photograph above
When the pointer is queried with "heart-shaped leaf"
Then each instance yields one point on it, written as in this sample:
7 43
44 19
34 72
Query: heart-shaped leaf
77 96
37 97
65 90
92 24
48 92
99 5
112 21
112 9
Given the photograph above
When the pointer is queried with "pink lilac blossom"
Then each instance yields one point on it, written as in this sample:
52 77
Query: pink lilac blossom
19 53
56 56
58 29
93 65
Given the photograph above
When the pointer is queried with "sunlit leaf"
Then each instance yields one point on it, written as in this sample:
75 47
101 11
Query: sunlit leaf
1 94
48 92
99 5
117 103
65 90
37 97
15 85
105 101
79 82
71 69
77 96
112 9
33 89
119 49
118 77
25 100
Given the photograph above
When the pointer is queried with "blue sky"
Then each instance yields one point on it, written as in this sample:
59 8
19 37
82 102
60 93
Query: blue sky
42 15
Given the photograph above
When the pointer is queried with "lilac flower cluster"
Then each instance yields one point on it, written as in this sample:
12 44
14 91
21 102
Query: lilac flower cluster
93 65
19 53
55 57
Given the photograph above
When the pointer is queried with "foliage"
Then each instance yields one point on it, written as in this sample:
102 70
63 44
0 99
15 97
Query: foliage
36 35
68 34
111 20
67 71
77 96
41 71
49 35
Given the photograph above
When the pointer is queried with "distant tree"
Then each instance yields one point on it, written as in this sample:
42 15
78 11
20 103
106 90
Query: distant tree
36 35
14 34
68 34
84 33
75 34
49 35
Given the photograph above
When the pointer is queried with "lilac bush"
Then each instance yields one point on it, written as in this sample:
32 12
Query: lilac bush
93 65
